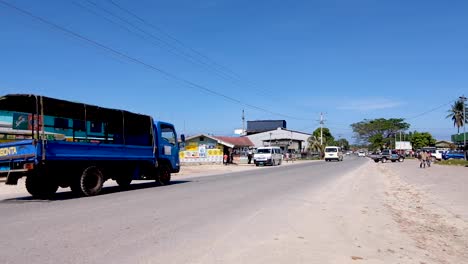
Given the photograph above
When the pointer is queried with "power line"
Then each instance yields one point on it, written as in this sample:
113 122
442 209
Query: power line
144 21
138 61
429 111
212 66
149 37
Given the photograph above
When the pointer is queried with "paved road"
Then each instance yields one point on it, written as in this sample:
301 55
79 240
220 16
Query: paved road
179 223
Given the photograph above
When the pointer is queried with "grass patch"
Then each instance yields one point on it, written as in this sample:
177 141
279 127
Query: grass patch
453 162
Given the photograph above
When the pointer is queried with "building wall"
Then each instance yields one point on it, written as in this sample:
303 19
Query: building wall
197 151
280 135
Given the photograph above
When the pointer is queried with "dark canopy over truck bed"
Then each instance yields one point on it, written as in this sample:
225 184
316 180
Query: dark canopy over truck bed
124 127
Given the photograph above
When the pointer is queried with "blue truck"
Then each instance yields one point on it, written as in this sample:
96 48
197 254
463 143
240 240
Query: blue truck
57 143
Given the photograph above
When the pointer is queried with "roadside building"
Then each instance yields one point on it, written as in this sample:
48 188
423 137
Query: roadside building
442 144
459 139
288 140
209 149
259 126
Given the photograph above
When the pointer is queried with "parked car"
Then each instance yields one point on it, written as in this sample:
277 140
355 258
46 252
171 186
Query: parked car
436 154
387 154
268 155
453 154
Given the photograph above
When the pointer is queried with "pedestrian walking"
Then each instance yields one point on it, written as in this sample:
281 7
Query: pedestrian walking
429 159
422 159
249 156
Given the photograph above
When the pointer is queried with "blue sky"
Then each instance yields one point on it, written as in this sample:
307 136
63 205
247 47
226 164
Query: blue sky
208 60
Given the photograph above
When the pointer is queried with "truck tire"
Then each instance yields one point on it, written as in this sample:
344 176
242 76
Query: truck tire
41 187
164 175
384 160
89 183
401 159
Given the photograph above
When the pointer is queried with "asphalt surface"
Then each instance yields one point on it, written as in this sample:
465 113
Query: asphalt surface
178 223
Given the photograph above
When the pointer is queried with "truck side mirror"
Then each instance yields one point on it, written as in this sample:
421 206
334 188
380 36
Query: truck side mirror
182 138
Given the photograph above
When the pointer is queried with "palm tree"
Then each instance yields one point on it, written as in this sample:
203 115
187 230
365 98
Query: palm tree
456 114
314 145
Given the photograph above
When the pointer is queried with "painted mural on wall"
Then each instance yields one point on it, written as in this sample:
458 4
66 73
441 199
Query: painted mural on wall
202 152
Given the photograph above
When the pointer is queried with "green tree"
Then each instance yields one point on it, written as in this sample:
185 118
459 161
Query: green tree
369 130
377 142
422 139
456 114
314 145
343 143
328 138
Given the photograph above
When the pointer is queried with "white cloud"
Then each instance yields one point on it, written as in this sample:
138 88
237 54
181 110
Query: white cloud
369 104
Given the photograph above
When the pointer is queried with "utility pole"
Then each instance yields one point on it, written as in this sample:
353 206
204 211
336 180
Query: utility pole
243 123
321 128
400 140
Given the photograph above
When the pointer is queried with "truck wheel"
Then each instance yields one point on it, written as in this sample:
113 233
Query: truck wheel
384 160
41 187
89 183
401 159
164 175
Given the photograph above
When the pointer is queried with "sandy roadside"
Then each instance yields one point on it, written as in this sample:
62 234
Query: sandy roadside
420 201
369 215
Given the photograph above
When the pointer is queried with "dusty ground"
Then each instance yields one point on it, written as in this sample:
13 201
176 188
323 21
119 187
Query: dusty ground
379 213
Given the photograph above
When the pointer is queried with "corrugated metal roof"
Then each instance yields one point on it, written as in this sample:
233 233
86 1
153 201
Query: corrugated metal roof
237 141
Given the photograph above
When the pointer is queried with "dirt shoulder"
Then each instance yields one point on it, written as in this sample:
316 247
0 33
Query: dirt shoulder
429 206
379 213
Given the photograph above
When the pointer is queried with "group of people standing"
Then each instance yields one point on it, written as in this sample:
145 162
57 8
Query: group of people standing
425 158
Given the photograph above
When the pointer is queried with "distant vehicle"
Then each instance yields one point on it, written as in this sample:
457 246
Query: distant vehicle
333 153
268 155
387 154
453 154
361 154
77 145
438 155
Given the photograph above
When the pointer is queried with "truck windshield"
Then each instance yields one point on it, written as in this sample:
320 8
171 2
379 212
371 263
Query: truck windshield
331 150
264 151
168 134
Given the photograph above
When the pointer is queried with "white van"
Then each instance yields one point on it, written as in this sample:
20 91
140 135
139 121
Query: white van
333 153
268 155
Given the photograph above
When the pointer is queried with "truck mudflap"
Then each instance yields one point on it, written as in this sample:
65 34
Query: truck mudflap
17 159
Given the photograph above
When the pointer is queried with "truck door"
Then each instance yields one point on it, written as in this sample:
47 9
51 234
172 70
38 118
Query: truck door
168 147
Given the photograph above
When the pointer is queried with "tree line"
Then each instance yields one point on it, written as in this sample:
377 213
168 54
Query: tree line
381 133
